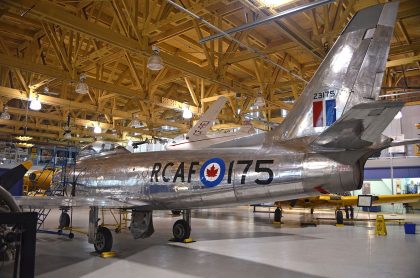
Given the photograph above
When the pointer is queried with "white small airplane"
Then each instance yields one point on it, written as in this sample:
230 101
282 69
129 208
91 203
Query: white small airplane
198 136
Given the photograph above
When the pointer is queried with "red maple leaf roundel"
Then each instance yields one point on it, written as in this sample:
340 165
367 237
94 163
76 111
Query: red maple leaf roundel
212 172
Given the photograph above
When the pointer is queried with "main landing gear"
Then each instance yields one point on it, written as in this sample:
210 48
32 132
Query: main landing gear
103 240
339 217
99 236
182 228
278 214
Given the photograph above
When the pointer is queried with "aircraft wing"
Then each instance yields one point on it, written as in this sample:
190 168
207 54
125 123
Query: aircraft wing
341 201
331 200
207 119
359 127
50 202
400 198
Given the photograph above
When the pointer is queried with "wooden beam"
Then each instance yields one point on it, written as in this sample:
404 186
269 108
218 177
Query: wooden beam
402 61
191 90
242 56
50 71
52 13
13 93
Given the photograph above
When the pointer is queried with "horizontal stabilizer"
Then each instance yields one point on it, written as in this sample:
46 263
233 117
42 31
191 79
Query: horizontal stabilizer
359 127
12 176
405 142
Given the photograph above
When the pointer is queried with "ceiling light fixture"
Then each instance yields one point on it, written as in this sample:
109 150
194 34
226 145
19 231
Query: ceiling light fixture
274 3
97 129
35 103
135 123
82 87
5 114
155 61
186 113
23 138
67 134
24 145
259 100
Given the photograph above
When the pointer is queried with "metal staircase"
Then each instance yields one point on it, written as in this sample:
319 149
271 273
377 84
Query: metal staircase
55 189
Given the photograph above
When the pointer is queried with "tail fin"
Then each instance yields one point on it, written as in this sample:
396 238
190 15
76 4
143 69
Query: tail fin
207 119
9 178
351 74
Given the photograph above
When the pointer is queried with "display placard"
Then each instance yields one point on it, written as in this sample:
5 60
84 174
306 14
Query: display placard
364 201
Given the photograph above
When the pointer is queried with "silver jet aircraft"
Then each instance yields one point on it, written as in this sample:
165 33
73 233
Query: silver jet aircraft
321 147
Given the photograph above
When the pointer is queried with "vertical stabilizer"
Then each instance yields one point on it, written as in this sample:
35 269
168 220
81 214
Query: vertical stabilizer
207 119
351 74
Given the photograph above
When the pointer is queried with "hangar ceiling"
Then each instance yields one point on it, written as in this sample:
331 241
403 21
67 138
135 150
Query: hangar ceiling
51 43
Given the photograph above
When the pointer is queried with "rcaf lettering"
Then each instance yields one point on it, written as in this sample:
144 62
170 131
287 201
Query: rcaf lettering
155 171
325 94
180 172
164 178
261 166
192 171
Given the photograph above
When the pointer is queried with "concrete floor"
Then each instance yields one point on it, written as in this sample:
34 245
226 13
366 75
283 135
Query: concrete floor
236 242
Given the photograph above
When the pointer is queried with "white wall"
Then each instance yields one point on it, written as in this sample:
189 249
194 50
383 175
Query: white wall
406 125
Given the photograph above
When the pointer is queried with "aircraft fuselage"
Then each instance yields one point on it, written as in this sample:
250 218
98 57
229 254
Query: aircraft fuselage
209 178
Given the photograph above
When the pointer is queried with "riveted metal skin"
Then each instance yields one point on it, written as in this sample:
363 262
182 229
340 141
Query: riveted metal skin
128 177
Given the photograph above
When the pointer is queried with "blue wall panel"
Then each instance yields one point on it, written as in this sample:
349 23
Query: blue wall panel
385 173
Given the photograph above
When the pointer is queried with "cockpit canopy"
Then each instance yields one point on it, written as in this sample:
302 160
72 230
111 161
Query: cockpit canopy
101 148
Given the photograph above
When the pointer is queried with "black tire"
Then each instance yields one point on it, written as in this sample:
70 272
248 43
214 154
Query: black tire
64 220
278 215
181 230
103 240
176 212
71 235
339 217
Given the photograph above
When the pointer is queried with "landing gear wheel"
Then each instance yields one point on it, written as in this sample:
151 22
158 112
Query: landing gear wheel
277 215
176 212
64 220
339 217
103 240
71 235
181 230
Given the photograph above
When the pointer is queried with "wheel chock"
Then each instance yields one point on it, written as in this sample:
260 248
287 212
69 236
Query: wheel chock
276 223
109 254
339 225
188 240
